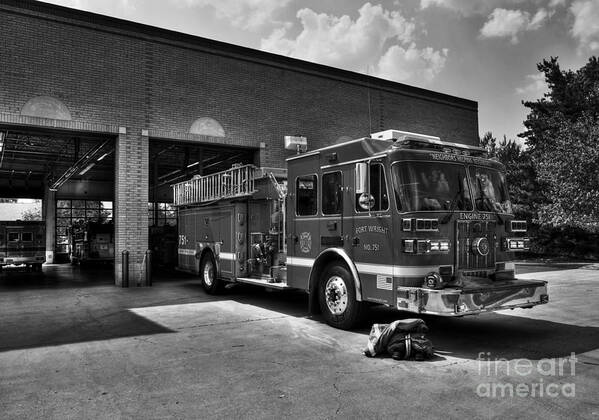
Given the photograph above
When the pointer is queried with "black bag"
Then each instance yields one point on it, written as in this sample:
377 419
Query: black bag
402 339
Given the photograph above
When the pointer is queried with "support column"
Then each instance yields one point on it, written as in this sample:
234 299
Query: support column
49 214
131 203
262 155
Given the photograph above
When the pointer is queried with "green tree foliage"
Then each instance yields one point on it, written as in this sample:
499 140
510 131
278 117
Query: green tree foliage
520 174
32 214
489 142
569 166
563 140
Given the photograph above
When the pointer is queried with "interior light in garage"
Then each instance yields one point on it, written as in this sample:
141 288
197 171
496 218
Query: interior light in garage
87 168
193 164
1 148
102 157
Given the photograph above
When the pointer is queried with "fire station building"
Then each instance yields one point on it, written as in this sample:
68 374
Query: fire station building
103 115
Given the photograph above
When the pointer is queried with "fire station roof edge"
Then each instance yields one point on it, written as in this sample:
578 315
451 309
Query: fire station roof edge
133 29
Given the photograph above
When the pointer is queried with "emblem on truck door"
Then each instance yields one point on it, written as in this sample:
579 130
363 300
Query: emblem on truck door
305 242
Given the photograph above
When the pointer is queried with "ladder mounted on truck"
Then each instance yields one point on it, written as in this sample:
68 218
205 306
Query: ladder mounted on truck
231 183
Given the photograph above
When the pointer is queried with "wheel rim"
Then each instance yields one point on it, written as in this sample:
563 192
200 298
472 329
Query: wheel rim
208 273
336 295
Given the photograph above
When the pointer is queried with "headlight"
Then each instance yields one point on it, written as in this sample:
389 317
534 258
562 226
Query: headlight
517 244
423 246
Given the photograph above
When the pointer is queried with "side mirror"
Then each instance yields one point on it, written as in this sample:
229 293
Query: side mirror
362 172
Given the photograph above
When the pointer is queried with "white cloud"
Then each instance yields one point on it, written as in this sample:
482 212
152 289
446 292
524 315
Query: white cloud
586 24
469 8
503 23
341 41
378 40
538 19
246 14
555 3
534 87
411 64
464 7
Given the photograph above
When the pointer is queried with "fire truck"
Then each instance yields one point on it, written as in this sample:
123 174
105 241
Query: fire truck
23 243
91 241
398 218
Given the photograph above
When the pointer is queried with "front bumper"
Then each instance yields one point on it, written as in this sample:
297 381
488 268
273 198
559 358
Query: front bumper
22 260
474 299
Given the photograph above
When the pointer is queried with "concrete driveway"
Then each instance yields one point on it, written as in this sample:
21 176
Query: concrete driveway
74 346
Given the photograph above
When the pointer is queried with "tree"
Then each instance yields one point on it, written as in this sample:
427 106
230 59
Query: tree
489 142
563 137
32 214
520 174
569 166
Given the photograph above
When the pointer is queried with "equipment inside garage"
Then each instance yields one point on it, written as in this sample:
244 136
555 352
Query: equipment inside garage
75 176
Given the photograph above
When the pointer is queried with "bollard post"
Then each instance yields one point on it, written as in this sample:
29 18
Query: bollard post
125 269
148 267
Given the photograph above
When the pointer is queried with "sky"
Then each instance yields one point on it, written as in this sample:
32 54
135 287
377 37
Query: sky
484 50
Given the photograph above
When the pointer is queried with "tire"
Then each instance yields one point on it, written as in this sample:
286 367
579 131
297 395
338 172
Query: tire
337 297
210 282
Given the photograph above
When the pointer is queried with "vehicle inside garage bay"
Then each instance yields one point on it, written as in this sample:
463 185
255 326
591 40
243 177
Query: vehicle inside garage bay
69 181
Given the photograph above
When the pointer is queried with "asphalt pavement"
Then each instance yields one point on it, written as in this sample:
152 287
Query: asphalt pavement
72 345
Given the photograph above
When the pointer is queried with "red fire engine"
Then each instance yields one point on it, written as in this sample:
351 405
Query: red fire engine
400 219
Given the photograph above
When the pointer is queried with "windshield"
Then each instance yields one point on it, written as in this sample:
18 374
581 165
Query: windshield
489 190
421 186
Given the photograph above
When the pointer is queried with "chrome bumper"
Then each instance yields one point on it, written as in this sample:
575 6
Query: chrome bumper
453 301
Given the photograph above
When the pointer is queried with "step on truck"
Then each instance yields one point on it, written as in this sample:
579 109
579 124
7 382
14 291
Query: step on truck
400 219
23 243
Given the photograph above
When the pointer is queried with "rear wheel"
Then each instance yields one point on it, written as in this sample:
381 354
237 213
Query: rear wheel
210 282
337 296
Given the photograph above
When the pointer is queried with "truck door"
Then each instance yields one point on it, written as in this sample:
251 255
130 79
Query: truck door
303 245
331 223
371 233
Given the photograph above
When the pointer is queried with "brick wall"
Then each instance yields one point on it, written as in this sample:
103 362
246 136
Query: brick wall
116 73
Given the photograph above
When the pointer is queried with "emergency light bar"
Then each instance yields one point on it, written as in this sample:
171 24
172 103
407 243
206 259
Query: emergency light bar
406 138
398 135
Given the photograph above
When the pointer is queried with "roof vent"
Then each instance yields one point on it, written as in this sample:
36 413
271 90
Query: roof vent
296 143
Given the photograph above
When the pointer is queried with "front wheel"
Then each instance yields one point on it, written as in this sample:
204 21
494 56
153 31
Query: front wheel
337 296
210 281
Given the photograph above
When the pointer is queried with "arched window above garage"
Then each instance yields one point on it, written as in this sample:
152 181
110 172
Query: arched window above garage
46 107
207 126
